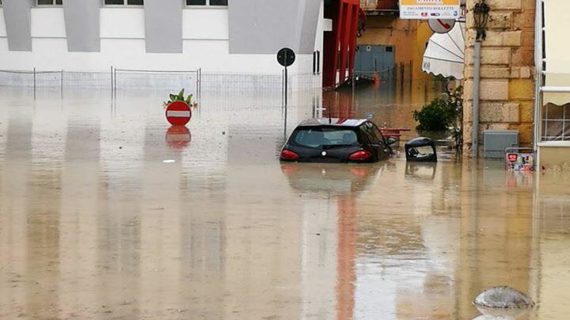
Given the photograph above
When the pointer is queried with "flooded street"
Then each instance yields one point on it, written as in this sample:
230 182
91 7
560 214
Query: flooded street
106 213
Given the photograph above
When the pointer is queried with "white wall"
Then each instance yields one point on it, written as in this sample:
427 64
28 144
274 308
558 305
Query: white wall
48 23
205 45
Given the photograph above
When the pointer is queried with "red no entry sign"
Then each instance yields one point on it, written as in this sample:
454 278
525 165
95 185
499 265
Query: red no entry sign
178 113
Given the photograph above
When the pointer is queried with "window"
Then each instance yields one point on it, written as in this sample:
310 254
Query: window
49 2
556 122
206 2
124 2
325 137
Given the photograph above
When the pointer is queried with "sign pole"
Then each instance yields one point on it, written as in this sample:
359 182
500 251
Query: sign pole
286 87
285 57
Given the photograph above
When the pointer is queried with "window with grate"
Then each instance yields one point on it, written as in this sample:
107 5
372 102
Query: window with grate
556 122
213 3
49 2
124 2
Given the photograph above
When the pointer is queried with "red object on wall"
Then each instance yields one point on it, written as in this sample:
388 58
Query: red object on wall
340 44
178 113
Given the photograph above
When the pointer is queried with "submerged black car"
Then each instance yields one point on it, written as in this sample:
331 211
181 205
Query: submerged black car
336 140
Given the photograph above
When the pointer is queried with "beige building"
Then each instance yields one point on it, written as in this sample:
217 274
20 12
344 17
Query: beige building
507 70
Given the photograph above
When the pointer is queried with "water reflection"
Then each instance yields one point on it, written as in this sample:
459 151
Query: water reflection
331 180
178 137
421 171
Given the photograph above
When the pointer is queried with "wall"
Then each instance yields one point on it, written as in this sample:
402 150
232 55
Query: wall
507 63
205 44
409 38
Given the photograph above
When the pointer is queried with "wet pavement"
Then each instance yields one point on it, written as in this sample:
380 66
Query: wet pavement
106 213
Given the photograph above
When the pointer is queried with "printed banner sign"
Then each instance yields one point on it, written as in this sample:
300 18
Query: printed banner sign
519 159
429 9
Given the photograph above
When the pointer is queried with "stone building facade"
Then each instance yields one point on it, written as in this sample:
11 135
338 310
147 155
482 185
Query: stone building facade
507 86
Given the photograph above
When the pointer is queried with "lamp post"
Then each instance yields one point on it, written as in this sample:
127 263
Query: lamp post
481 17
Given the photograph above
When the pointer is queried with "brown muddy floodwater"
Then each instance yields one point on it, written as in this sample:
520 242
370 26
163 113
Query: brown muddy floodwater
105 213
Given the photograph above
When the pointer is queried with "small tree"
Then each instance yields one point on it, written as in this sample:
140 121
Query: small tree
179 97
443 114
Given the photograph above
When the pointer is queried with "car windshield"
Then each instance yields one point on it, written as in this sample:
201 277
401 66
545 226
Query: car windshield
324 137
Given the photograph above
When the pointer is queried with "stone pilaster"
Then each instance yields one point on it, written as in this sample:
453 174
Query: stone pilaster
507 64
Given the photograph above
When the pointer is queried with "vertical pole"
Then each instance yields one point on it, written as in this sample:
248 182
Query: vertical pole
112 83
286 87
476 83
285 99
34 83
115 82
61 77
197 82
539 66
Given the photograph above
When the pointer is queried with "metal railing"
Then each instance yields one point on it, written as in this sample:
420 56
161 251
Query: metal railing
35 73
194 78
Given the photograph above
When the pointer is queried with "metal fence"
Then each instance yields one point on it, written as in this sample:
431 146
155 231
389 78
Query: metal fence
216 84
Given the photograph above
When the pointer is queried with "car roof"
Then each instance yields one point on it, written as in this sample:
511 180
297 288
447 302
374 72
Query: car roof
333 122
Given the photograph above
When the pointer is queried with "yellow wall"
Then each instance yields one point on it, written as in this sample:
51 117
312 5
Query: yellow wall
409 38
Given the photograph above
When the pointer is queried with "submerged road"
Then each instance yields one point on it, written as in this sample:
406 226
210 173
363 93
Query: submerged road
105 213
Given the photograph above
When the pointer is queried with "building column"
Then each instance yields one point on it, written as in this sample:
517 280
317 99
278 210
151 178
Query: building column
18 24
82 25
163 26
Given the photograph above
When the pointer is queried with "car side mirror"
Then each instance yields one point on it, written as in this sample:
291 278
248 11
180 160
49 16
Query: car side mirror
391 141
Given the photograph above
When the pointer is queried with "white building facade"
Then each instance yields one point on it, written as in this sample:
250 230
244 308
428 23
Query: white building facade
230 36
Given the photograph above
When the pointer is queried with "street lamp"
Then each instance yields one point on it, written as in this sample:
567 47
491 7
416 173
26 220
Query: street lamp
481 17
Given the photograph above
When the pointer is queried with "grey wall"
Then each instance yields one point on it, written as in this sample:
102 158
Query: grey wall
82 25
307 26
163 26
263 26
18 24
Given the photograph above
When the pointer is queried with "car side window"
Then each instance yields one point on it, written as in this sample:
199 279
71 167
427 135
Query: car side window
377 133
374 134
365 134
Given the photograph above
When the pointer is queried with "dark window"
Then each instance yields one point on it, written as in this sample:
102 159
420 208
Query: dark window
389 49
206 2
320 137
122 2
374 133
196 2
49 2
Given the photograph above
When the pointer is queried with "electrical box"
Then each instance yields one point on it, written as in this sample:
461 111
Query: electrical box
496 141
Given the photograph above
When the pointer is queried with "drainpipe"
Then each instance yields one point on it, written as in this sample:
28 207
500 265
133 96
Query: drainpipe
539 68
476 91
481 17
